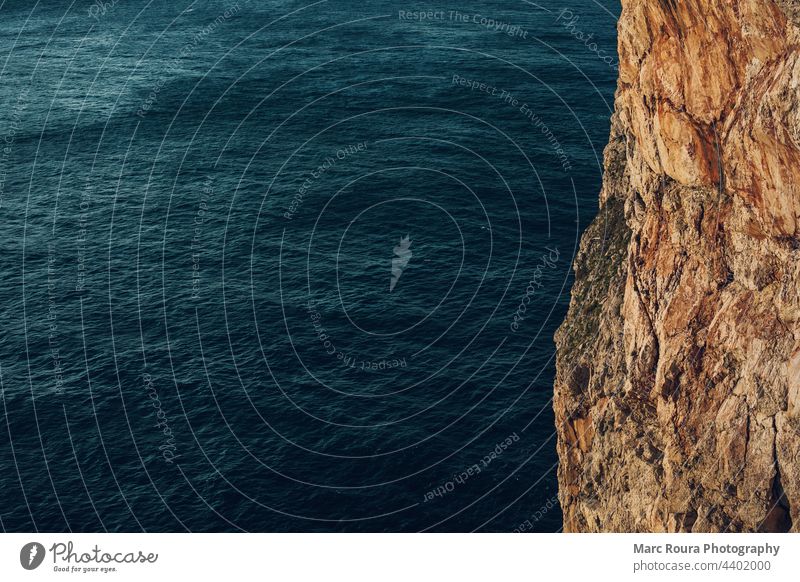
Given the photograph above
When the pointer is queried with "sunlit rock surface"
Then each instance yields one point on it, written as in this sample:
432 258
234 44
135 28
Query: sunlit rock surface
677 396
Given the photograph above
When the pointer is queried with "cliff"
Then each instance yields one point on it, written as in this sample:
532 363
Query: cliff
677 393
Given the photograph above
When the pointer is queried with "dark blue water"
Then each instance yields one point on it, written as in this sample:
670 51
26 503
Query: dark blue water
208 319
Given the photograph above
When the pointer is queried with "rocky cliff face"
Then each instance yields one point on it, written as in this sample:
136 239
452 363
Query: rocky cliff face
677 396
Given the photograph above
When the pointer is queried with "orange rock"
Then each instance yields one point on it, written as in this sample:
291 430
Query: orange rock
689 316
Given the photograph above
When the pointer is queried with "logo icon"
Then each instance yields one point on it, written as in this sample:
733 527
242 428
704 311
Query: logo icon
403 255
31 555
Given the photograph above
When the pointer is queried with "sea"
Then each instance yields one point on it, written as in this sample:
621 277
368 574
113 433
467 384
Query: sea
291 266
